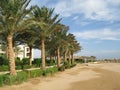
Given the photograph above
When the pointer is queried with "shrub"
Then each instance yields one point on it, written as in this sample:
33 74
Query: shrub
50 62
37 62
67 65
79 60
26 67
21 77
4 68
18 67
4 60
7 79
36 73
25 61
1 80
50 71
18 62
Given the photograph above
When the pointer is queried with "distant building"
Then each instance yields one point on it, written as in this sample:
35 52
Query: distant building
85 57
21 51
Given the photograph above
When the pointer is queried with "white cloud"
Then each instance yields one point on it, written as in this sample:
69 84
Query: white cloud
91 9
75 18
105 34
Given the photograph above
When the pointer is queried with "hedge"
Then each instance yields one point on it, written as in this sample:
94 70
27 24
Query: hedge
23 76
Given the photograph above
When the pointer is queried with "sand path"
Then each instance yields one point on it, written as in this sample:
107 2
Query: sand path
81 77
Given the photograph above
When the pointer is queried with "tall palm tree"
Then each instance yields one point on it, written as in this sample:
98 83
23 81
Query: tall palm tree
58 38
74 46
13 18
44 22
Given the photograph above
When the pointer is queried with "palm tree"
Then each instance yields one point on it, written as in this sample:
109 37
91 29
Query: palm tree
13 18
58 38
73 47
44 22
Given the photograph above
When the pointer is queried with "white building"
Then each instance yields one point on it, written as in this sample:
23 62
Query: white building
23 52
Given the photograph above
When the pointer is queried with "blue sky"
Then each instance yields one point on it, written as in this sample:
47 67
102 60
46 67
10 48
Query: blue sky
95 23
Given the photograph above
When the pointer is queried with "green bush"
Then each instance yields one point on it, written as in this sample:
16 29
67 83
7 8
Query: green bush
7 79
18 62
50 62
50 71
4 68
18 67
25 61
21 77
36 73
79 61
4 60
67 65
1 80
26 67
37 62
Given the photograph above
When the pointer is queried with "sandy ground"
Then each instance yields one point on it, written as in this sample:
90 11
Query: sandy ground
92 77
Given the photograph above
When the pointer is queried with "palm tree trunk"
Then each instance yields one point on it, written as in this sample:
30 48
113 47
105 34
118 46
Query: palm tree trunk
65 55
43 53
58 57
30 55
11 55
69 58
72 58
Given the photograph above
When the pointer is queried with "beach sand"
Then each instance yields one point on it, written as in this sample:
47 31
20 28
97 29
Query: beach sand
102 76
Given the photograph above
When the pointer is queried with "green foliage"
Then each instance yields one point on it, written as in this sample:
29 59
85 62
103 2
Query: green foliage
50 71
1 80
18 62
50 62
26 67
37 62
7 79
25 61
90 60
79 60
3 60
36 73
18 67
67 65
4 68
21 77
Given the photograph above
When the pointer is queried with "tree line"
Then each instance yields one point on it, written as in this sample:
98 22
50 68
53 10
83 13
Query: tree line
38 27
